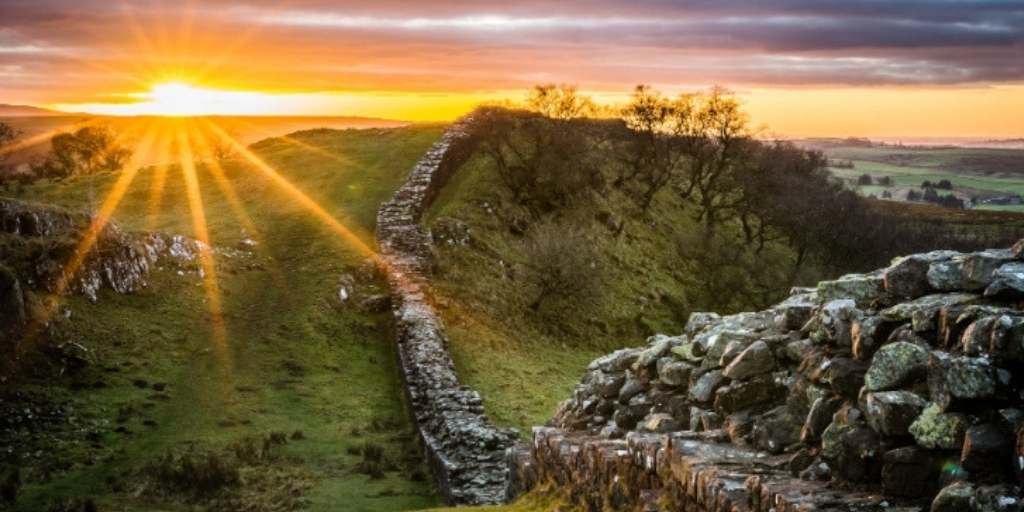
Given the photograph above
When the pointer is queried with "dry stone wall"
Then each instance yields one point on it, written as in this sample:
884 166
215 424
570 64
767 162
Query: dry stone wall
465 452
897 389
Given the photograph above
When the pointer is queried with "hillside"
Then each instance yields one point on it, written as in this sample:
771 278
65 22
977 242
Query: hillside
25 110
288 384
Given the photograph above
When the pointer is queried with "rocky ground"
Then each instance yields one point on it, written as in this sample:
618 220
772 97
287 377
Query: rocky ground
900 387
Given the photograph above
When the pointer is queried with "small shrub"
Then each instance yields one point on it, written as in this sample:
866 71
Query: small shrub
199 472
72 505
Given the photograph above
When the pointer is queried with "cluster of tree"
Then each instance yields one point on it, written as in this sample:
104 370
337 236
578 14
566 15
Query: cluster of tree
930 195
866 179
943 184
86 151
841 164
755 202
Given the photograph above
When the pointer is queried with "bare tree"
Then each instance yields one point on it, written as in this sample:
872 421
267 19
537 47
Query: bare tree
562 263
560 101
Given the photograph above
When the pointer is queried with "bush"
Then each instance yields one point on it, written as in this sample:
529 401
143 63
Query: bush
562 264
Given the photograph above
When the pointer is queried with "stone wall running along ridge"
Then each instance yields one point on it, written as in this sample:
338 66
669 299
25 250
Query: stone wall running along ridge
903 387
465 452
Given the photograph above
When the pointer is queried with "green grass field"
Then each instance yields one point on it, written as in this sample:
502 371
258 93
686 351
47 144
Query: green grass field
293 358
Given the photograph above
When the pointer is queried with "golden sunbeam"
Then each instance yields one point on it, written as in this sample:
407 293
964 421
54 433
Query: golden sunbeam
303 145
195 203
225 187
300 197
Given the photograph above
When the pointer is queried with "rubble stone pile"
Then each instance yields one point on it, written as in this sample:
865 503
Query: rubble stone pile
896 388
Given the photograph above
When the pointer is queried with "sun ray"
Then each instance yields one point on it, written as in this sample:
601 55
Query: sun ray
201 230
299 196
225 186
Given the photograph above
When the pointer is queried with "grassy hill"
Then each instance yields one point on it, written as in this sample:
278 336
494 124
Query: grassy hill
293 363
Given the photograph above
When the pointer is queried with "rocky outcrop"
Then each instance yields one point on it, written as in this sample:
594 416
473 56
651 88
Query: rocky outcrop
465 452
896 388
41 242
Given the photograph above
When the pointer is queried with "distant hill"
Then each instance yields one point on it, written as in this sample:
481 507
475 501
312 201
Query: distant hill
25 111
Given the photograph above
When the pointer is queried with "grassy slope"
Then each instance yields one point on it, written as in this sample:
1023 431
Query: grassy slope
293 358
525 362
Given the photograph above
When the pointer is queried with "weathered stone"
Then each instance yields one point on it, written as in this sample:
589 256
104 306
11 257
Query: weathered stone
658 347
1007 282
661 423
605 385
797 350
910 472
676 374
754 360
795 311
924 311
985 452
956 497
937 429
772 431
907 277
952 379
761 389
846 376
998 498
631 388
717 343
870 333
896 365
703 389
860 456
834 323
1018 461
861 288
686 353
831 441
1006 344
616 362
732 350
800 461
819 418
627 416
979 267
890 413
699 321
948 275
977 337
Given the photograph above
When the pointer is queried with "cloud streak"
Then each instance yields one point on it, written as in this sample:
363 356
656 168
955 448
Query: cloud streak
429 45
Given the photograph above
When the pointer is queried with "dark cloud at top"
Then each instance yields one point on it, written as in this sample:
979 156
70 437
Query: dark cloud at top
465 44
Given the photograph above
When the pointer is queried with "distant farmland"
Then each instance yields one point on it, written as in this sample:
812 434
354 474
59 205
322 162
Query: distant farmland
980 174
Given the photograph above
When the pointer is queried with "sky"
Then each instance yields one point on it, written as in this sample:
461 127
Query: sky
927 68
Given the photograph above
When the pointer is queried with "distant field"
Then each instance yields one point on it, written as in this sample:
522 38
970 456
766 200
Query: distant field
976 173
247 129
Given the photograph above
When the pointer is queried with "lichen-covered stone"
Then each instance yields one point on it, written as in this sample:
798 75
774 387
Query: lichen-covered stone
957 378
861 288
937 429
947 275
895 365
923 312
869 334
676 374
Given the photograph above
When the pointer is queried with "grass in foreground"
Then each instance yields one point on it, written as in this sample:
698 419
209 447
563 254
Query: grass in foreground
295 362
